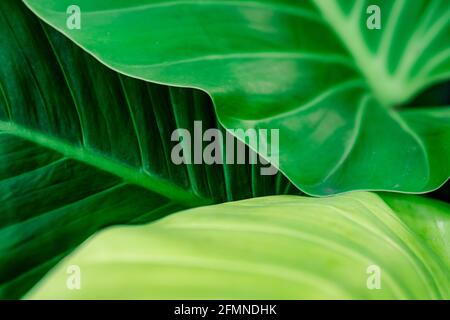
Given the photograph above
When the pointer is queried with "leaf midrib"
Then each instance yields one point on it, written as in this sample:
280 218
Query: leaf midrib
90 157
389 88
383 85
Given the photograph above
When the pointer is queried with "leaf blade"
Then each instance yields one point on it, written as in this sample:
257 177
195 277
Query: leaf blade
264 59
281 247
69 130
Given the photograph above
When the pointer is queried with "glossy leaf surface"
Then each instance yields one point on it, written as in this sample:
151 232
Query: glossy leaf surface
312 69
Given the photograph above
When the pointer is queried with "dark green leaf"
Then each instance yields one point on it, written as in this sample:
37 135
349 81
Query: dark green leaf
83 147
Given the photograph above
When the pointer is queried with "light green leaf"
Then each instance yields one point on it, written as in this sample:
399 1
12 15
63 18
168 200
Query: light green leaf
312 69
82 147
280 247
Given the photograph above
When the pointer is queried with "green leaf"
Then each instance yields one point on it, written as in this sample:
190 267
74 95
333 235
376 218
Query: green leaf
51 203
309 68
428 218
82 147
280 247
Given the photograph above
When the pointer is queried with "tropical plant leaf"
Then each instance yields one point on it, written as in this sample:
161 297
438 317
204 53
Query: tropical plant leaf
51 203
280 247
83 147
430 219
309 68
